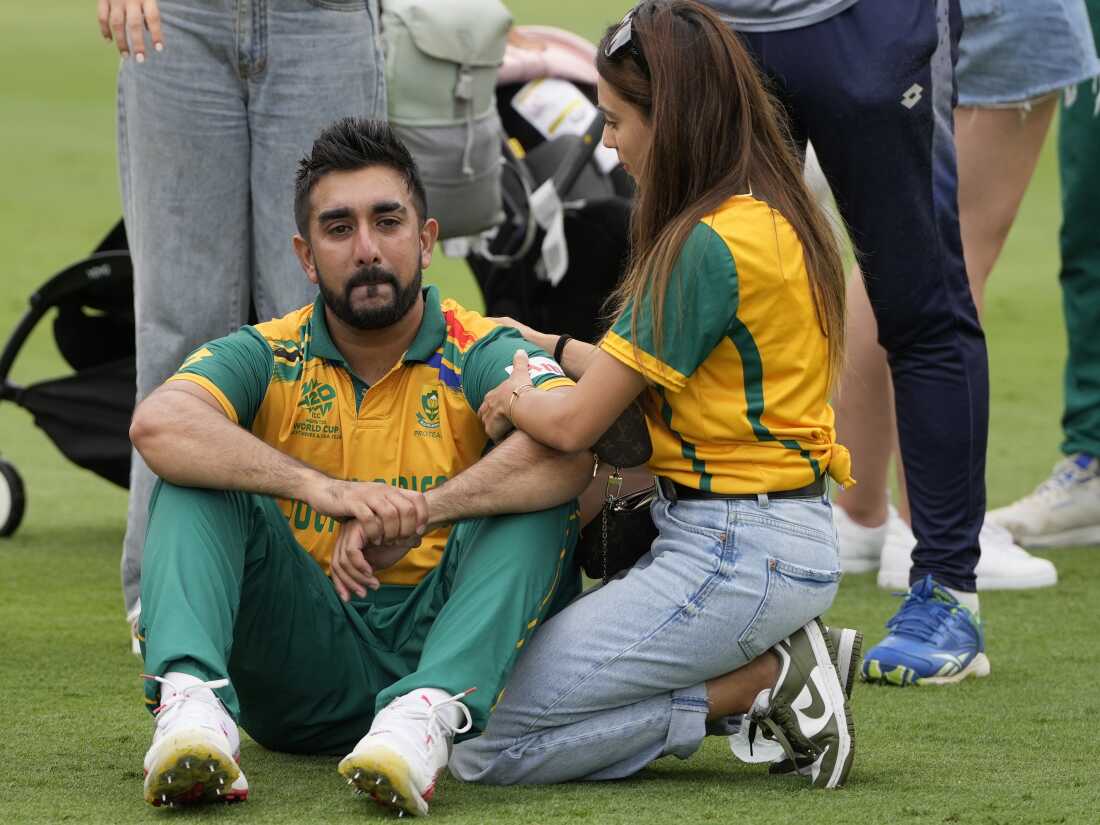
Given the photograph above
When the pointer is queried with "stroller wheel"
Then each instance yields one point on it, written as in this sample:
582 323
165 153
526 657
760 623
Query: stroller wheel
12 499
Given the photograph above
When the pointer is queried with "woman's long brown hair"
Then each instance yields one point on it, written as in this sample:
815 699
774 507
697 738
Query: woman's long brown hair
716 132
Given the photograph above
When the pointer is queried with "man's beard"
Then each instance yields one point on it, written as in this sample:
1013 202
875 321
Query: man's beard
376 317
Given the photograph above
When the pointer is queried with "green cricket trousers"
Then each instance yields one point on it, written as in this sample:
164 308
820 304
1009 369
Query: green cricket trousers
228 592
1079 168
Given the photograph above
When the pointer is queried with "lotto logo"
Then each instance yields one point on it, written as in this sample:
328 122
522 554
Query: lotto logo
912 96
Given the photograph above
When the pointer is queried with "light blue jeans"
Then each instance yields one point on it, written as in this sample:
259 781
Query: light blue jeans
616 679
210 132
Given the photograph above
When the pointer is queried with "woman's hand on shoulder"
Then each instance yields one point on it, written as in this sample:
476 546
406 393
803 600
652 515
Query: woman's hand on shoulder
532 336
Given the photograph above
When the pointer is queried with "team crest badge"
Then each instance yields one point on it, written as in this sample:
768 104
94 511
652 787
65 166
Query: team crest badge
428 414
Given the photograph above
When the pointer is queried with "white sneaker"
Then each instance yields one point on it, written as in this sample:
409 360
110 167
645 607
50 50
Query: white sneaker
860 547
1064 511
1002 566
195 747
408 744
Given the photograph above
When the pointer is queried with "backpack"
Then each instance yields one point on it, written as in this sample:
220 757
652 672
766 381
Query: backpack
441 65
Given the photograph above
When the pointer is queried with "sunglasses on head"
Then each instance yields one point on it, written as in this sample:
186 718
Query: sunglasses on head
623 40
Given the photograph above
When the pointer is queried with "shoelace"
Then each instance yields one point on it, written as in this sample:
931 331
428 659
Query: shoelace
431 714
185 693
919 617
435 719
778 722
1066 473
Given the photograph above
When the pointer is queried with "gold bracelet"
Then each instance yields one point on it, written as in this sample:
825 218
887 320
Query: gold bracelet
516 393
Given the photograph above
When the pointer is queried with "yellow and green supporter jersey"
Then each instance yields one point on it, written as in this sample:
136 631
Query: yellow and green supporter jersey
285 381
738 402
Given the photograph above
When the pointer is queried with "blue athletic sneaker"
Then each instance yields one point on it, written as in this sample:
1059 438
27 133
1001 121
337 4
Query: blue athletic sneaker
933 640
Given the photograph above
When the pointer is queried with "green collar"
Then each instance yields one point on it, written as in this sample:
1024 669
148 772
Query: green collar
433 329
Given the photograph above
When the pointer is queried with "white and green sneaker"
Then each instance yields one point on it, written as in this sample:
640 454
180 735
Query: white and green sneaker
1064 511
807 711
753 745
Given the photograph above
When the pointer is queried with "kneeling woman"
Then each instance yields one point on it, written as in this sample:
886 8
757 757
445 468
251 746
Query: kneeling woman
729 321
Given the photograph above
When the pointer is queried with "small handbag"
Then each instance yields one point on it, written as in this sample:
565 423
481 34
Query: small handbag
623 533
625 530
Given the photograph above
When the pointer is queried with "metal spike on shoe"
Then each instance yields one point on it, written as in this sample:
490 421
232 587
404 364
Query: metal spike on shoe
212 768
378 781
400 814
393 799
187 764
168 777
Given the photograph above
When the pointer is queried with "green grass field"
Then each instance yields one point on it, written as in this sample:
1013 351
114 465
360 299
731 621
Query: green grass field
1019 747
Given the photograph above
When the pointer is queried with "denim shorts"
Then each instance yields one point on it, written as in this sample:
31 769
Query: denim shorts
1016 51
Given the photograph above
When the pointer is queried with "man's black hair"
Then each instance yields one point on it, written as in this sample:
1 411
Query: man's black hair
346 146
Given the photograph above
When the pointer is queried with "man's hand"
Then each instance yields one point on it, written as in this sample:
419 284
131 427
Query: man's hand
355 560
386 514
125 21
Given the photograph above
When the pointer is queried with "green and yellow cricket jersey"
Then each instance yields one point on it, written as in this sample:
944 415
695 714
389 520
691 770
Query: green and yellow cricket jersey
285 381
739 397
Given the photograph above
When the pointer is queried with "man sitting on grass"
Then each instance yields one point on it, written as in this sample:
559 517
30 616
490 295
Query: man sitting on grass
339 441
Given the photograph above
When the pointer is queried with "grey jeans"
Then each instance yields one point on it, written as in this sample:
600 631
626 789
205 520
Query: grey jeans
210 132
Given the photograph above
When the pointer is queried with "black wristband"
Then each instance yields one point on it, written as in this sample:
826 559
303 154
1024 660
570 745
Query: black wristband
559 348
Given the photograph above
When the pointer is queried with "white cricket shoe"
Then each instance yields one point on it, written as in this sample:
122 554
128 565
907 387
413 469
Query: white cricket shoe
195 747
1002 566
1064 511
860 547
408 744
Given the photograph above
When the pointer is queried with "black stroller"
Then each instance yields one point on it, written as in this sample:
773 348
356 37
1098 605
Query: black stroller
88 413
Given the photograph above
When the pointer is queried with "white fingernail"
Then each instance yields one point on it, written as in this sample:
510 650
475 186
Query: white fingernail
140 57
158 46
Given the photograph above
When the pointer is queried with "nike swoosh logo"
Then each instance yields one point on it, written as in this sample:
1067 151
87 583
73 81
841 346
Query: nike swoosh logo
809 701
784 662
815 768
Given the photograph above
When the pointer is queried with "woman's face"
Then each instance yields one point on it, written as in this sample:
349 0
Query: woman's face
626 131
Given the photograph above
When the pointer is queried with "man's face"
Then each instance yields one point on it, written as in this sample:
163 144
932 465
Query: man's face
366 247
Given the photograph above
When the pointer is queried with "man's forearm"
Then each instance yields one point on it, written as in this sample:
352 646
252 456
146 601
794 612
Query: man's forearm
186 442
518 476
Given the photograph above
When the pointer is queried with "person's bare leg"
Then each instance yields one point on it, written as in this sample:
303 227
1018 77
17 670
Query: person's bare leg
735 691
997 152
864 406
